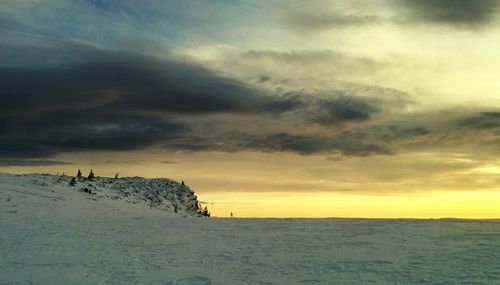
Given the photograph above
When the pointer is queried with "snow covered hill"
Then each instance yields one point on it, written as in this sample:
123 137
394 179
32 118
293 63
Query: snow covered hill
158 193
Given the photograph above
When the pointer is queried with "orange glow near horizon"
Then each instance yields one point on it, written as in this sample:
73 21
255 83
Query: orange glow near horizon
216 186
423 185
452 204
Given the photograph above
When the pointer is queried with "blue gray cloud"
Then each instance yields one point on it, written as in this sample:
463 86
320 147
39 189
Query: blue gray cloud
458 13
105 78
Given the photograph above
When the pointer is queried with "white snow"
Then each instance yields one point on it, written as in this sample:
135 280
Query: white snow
159 193
51 233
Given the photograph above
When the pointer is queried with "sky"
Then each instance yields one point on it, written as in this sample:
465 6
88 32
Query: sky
380 109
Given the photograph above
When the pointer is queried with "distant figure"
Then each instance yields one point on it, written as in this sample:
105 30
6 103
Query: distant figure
91 174
79 174
182 183
231 214
117 175
175 208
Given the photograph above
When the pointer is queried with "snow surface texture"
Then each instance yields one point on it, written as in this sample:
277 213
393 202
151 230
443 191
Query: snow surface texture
51 233
160 193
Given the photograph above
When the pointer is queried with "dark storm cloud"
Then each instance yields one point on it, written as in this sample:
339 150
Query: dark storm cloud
393 132
456 13
169 162
44 134
90 99
119 133
101 101
461 13
458 129
320 20
31 162
16 147
263 78
129 162
310 144
339 107
480 121
135 82
279 142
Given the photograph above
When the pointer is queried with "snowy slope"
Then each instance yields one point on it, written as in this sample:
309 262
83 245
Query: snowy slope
54 234
158 193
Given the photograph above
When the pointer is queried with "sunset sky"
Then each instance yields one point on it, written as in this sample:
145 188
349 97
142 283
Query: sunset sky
386 108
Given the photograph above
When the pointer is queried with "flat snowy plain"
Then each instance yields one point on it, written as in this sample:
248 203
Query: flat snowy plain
55 235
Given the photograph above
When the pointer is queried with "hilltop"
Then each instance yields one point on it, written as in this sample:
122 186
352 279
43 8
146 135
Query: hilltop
158 193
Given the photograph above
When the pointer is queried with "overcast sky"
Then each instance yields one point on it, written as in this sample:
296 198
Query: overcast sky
266 108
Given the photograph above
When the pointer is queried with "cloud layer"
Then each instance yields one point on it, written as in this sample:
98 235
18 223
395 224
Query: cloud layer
461 13
114 100
68 86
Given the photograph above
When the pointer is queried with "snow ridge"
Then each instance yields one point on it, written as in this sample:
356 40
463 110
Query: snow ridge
158 193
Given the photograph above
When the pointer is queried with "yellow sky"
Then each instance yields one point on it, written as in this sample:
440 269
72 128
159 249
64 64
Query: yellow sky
416 185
